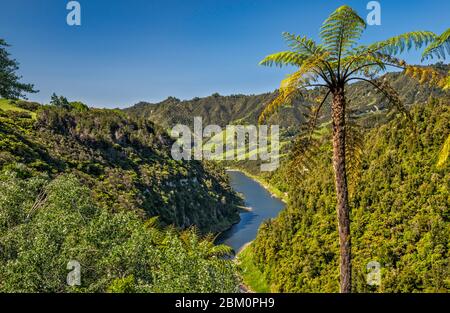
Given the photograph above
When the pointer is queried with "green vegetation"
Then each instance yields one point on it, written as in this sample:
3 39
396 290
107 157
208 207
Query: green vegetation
45 223
8 105
399 215
100 187
250 273
332 65
245 109
125 162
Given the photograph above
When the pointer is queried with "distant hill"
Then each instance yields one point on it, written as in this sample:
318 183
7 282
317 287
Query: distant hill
245 109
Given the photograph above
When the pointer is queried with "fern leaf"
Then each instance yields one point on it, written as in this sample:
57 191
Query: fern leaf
404 42
438 47
284 58
292 85
341 30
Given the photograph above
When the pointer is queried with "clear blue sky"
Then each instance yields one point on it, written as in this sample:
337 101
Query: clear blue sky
127 51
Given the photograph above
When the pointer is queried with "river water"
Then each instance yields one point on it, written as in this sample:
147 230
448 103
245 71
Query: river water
262 207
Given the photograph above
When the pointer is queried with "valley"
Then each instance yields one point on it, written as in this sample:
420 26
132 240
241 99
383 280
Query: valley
338 181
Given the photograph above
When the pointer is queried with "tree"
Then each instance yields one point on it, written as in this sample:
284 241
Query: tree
10 87
330 66
60 101
45 223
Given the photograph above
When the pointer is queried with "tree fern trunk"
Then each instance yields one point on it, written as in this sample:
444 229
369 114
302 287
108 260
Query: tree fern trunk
338 119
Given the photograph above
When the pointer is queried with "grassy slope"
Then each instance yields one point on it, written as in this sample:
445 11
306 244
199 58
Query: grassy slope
252 277
6 105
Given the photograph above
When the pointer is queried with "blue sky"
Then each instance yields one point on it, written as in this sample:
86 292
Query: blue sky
127 51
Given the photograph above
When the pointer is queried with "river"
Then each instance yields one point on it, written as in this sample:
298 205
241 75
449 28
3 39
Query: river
262 207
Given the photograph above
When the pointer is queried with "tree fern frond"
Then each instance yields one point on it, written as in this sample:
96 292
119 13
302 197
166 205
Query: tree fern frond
439 47
220 250
404 42
151 222
341 30
302 45
385 89
284 58
307 145
303 156
314 112
292 85
362 62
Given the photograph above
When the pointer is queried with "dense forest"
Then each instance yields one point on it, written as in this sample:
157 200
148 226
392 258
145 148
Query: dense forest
100 188
46 223
400 199
126 162
400 206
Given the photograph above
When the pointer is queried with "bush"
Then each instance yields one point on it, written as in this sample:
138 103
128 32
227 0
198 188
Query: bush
44 224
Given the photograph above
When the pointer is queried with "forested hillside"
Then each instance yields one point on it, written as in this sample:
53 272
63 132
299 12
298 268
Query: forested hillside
47 224
125 161
400 214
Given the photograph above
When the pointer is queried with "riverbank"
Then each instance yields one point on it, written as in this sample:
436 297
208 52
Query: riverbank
266 202
274 192
252 278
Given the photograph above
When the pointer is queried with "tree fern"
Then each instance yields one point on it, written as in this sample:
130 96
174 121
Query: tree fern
332 65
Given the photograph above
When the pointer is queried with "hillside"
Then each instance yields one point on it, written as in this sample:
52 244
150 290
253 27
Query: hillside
125 161
400 215
50 228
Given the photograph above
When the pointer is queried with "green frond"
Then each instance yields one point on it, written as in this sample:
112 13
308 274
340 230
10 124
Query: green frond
312 113
443 154
404 42
285 93
220 250
284 58
341 30
391 95
363 62
302 45
438 47
303 156
291 85
152 222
